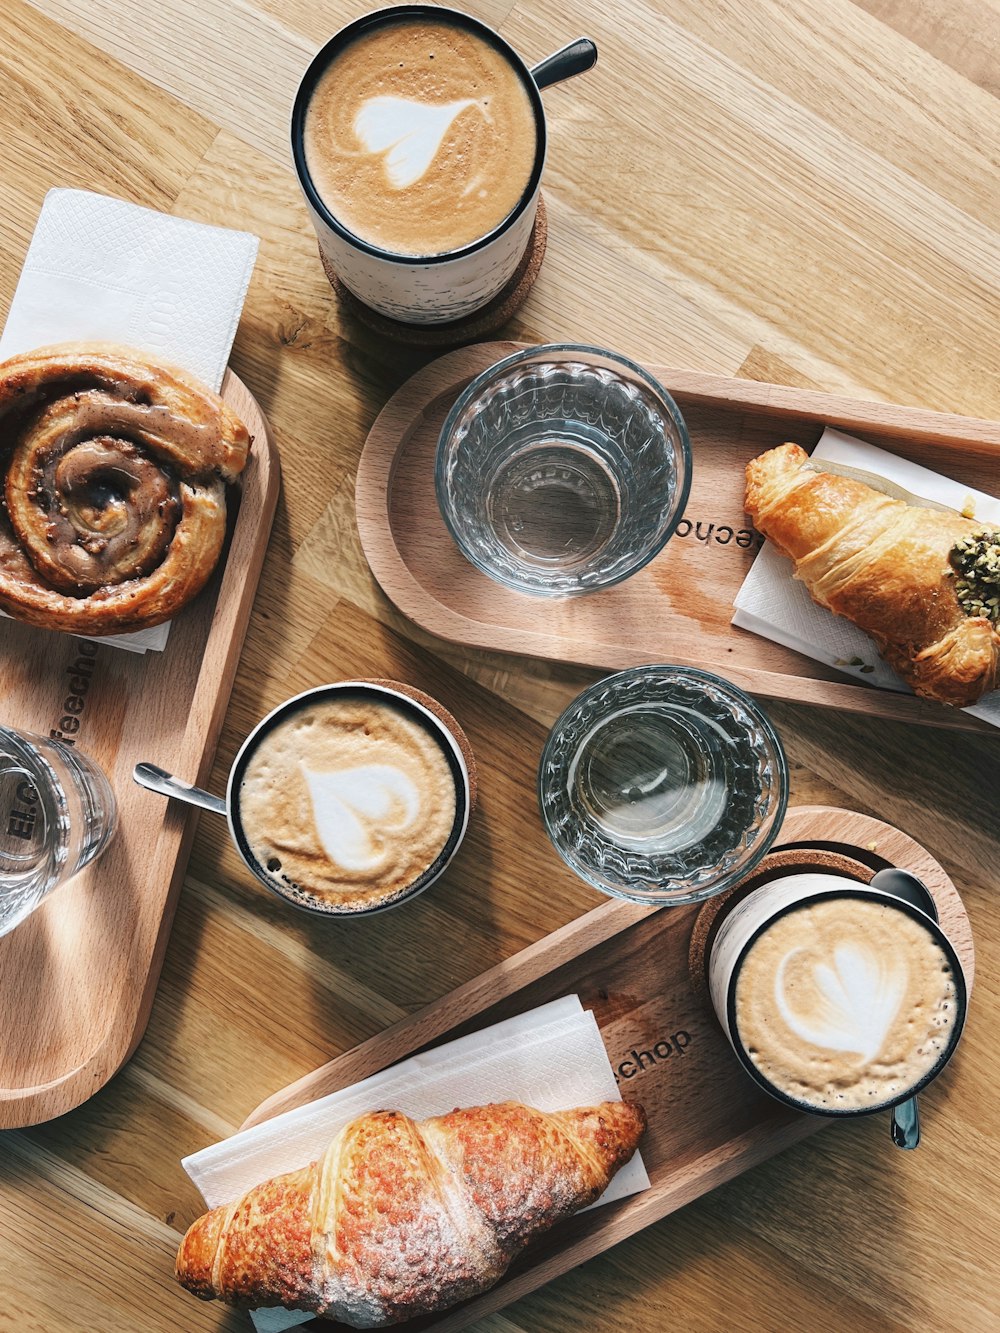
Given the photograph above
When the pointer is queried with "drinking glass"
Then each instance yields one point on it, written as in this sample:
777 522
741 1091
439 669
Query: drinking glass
562 469
662 784
57 813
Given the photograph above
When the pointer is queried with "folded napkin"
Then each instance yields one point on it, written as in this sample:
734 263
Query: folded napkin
552 1058
777 606
100 269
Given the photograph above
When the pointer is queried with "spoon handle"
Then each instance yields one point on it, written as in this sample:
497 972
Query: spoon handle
905 1124
574 58
156 779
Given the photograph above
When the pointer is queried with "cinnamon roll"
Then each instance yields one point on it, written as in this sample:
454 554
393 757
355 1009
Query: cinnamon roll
114 506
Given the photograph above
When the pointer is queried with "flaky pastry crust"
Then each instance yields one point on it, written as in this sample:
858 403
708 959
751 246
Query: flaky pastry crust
881 563
400 1218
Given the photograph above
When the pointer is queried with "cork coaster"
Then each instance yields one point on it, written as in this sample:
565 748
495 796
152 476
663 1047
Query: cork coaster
776 865
443 716
472 328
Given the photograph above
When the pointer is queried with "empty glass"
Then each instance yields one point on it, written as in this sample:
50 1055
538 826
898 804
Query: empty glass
662 784
562 469
57 813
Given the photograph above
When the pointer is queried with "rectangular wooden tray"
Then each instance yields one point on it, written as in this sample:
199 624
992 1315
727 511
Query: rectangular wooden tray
638 970
678 608
77 978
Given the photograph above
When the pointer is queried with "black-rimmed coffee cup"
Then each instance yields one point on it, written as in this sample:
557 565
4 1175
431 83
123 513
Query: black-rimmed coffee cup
413 705
431 288
748 922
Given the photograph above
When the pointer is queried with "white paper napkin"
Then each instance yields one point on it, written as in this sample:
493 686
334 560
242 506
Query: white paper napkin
100 269
552 1058
774 604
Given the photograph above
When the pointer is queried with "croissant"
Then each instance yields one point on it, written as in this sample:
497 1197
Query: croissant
400 1218
114 508
924 583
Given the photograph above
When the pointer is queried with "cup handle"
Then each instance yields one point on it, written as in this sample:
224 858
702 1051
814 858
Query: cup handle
156 779
574 58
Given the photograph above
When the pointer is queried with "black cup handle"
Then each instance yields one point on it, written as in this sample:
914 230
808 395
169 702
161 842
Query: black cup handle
575 58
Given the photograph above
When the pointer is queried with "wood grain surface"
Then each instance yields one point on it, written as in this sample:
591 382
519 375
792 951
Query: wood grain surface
802 194
643 975
85 965
679 607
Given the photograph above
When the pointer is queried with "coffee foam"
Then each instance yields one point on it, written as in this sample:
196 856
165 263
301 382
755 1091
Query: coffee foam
348 800
845 1004
420 137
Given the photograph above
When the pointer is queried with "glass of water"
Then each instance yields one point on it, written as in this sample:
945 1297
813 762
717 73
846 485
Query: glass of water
57 813
663 784
562 469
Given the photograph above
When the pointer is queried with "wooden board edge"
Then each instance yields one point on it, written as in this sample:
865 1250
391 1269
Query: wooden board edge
455 1007
697 1176
805 821
634 1214
237 589
586 932
945 428
400 416
240 580
631 1215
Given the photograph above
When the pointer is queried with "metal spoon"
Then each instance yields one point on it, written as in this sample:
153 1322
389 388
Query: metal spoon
575 58
905 1124
165 784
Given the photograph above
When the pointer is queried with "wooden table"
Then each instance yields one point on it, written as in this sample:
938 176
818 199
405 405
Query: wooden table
799 193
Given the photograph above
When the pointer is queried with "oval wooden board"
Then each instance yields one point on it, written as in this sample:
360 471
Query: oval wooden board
77 978
708 1121
678 608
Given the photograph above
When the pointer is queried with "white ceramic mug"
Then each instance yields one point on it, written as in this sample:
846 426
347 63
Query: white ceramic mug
741 927
433 289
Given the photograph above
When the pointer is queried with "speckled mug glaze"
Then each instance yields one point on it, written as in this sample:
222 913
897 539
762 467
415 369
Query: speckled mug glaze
432 289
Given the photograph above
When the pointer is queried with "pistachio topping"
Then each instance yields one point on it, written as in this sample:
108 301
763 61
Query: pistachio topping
975 565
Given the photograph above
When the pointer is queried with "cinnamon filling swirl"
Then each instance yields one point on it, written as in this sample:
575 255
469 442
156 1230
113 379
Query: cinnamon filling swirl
114 487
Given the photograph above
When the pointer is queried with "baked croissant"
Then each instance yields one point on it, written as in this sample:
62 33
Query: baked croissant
400 1218
114 508
918 580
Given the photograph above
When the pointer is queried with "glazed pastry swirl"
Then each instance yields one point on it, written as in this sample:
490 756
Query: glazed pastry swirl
114 498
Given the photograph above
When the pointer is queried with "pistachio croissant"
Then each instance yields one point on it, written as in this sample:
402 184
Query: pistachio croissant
400 1218
917 580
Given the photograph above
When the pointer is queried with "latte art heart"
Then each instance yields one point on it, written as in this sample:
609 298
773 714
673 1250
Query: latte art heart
852 1004
410 134
355 808
348 800
843 1004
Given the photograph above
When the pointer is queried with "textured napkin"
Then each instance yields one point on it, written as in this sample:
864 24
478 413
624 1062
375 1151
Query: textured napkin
552 1058
100 269
774 604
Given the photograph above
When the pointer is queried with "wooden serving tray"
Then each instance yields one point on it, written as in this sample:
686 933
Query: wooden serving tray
708 1121
77 977
678 608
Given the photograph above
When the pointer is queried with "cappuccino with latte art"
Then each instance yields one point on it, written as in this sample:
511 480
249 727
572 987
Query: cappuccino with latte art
350 798
845 1004
837 998
420 137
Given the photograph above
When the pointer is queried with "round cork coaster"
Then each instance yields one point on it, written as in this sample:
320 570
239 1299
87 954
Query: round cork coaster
444 717
776 865
473 328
